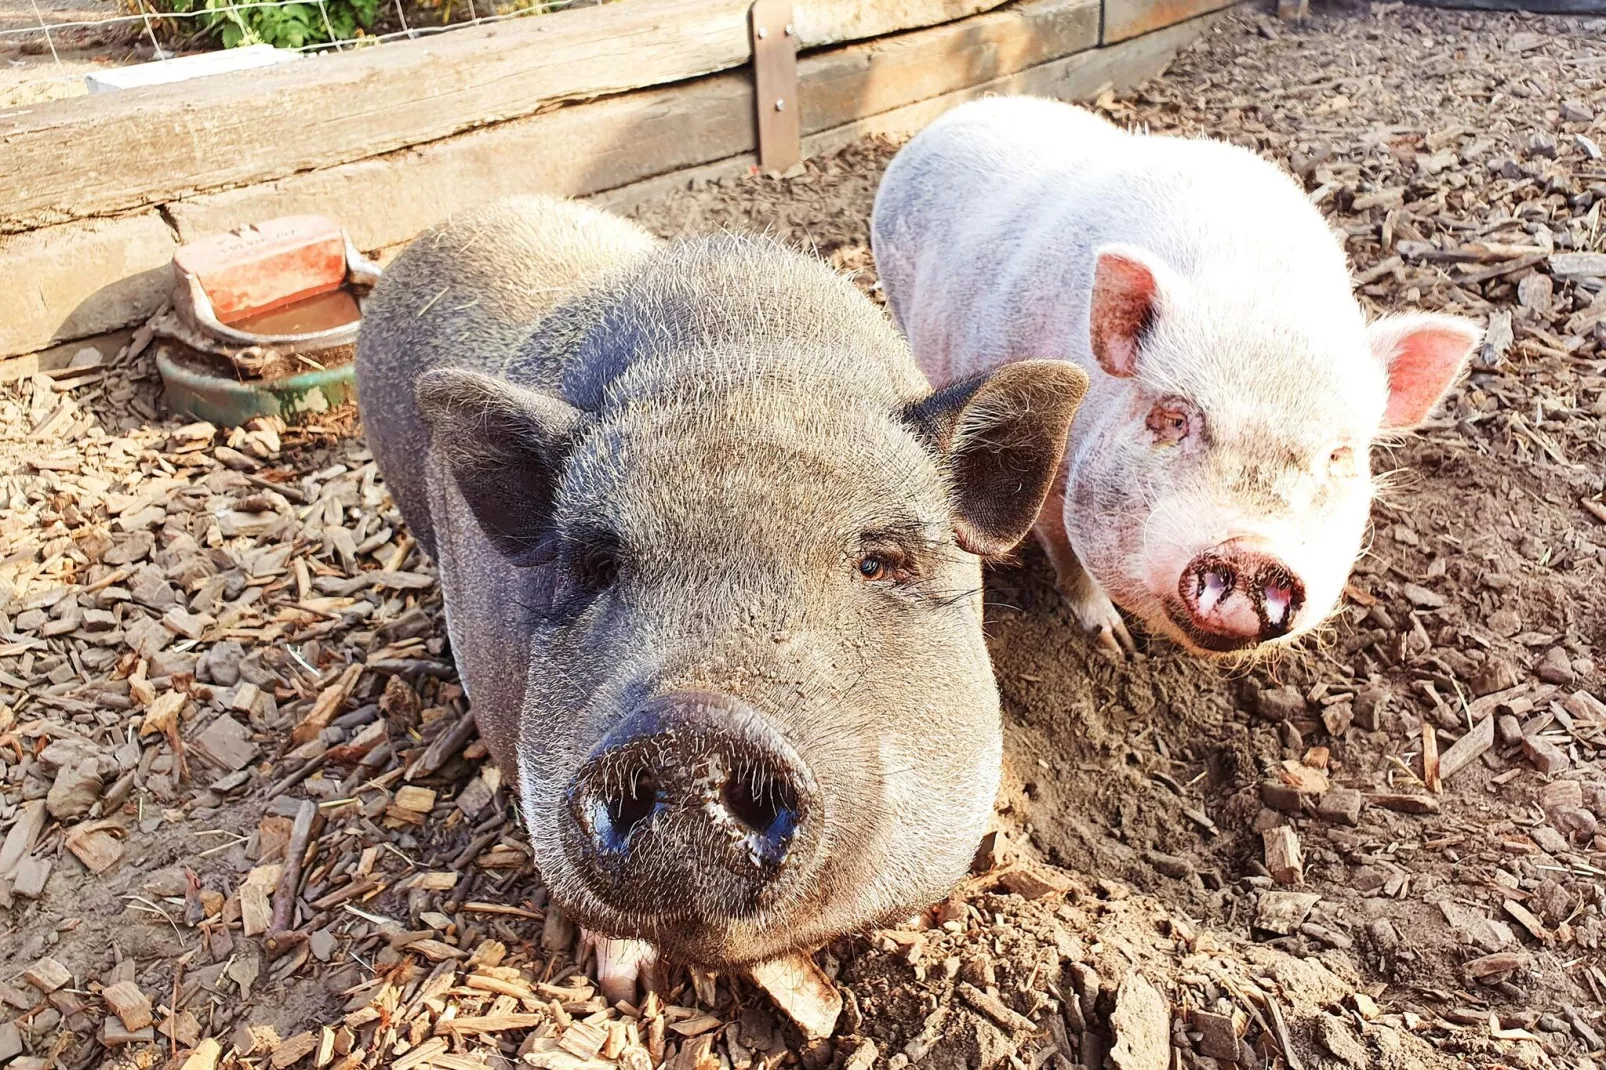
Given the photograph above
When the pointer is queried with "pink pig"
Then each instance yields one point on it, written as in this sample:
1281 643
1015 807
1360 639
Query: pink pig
1217 480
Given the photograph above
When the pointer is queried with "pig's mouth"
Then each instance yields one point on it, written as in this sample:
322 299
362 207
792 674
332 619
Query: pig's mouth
1202 642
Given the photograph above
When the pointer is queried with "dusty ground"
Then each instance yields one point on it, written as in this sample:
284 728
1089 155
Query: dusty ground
36 67
180 609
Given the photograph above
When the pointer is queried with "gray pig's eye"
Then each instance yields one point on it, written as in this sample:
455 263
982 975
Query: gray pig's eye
884 557
884 565
597 567
872 567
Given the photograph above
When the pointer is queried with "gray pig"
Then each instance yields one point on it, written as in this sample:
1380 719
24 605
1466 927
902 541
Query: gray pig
1218 480
709 550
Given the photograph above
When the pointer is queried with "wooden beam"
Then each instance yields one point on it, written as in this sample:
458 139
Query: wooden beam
628 138
605 143
853 83
1078 77
82 278
1126 19
97 155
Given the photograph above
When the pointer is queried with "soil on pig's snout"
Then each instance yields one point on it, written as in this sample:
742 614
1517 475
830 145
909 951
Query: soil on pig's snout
1131 901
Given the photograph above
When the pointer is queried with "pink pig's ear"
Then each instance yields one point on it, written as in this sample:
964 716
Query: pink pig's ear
1425 354
1128 293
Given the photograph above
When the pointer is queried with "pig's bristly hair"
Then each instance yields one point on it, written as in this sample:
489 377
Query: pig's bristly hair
995 420
1387 482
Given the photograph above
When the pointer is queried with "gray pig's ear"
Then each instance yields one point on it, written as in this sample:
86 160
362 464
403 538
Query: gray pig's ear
1003 436
505 446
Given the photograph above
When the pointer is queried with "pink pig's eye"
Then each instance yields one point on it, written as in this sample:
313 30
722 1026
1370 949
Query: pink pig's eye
1342 461
1171 421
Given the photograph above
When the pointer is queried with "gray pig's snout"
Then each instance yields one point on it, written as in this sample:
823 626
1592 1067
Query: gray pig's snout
694 799
1236 595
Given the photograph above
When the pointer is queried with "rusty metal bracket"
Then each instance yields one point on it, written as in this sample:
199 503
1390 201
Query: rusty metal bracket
773 37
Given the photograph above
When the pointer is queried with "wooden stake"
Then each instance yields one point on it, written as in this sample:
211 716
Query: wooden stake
280 937
1283 859
1430 758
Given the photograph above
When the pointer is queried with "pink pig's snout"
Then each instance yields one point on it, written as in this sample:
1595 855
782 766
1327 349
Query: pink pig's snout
1237 594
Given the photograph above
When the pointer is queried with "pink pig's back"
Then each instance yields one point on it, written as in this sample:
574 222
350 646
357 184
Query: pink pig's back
986 224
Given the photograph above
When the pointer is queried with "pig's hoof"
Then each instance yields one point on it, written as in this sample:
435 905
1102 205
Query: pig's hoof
1101 620
620 964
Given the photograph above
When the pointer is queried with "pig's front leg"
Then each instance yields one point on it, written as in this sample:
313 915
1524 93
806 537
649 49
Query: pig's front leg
1089 604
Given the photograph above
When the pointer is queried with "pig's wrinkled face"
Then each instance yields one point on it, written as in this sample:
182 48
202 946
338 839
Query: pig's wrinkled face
740 553
1191 508
1221 487
737 550
759 710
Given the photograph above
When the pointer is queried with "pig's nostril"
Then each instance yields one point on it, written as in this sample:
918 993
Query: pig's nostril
1279 597
1282 596
754 799
1215 582
766 805
632 802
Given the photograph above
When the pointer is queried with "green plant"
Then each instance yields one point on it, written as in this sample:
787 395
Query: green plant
290 25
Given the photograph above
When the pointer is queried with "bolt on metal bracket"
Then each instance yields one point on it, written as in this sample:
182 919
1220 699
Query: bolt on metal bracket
771 33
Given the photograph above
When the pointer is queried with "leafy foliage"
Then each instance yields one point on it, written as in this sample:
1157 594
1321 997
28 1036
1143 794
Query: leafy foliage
295 25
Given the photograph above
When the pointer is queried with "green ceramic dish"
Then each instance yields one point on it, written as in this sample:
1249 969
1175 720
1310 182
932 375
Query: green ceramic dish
225 402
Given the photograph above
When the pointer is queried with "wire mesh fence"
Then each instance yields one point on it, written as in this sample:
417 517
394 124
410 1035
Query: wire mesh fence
51 48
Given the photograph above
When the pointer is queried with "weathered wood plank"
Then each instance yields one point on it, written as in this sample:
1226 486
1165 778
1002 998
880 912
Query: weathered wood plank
870 79
59 357
831 22
604 143
94 156
624 139
82 278
1125 19
1078 77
